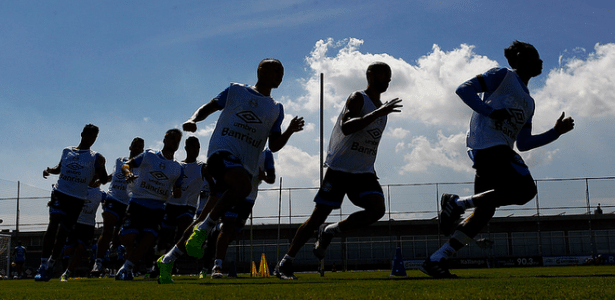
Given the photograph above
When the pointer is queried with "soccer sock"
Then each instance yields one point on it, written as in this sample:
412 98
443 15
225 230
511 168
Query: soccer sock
50 263
285 258
445 252
128 265
44 262
333 228
465 202
172 255
218 263
98 261
206 225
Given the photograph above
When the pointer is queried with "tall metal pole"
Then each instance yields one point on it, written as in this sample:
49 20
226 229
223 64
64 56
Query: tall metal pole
17 214
322 97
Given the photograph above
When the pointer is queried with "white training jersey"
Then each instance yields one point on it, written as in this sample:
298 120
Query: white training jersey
90 207
486 132
356 152
157 175
191 185
244 125
118 189
76 171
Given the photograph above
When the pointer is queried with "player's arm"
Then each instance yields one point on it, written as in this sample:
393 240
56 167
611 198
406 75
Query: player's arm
352 121
488 82
177 187
526 141
55 170
101 170
127 170
277 140
201 114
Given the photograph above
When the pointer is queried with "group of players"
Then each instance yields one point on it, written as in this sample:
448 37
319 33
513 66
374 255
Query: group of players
151 192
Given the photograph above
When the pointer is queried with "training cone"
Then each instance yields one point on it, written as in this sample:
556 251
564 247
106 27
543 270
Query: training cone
254 272
398 268
263 270
232 271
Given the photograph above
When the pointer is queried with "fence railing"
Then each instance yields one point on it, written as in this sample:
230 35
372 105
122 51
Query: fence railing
24 208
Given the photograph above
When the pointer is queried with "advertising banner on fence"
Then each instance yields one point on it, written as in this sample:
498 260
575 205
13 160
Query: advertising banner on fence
571 260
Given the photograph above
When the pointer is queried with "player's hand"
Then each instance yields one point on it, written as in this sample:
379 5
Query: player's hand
131 177
296 124
45 173
564 125
189 126
500 114
391 106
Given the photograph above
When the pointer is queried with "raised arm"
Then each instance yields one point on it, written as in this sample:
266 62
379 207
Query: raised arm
526 141
201 114
352 121
278 140
55 170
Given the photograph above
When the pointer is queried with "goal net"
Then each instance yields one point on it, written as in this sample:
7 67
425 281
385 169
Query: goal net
5 254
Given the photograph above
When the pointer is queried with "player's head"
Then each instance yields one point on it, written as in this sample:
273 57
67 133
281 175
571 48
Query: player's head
270 71
193 146
378 76
172 139
523 58
89 135
136 146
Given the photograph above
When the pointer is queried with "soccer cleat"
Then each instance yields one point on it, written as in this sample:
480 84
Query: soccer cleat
194 244
124 274
450 214
42 275
96 270
323 241
285 271
436 269
64 277
165 271
216 272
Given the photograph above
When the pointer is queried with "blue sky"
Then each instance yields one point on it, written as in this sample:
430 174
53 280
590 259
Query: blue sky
138 68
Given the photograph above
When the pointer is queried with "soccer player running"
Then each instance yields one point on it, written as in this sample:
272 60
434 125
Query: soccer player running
76 169
179 212
250 117
159 177
501 118
235 219
350 161
114 206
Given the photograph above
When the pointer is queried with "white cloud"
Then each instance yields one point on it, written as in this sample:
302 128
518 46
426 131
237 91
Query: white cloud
398 133
295 163
446 152
581 87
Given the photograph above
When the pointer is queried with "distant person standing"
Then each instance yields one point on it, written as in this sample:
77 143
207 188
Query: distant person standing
77 167
114 206
350 161
249 119
598 210
19 258
502 118
159 177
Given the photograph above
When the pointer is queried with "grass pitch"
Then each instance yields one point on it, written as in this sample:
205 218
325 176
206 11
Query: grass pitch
587 282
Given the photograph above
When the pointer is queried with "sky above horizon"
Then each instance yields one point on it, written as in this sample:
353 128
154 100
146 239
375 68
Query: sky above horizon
138 68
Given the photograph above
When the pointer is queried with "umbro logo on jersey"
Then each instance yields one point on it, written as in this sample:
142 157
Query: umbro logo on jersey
249 117
518 115
74 166
375 133
159 175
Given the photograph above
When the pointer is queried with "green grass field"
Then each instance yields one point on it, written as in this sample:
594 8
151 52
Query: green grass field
588 282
